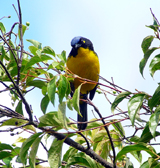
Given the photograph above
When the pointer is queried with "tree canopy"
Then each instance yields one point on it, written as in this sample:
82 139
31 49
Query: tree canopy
104 143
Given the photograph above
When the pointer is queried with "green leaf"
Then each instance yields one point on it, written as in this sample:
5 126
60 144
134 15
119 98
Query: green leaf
94 124
37 59
62 114
63 54
2 28
54 153
153 27
135 147
19 107
44 103
50 119
134 105
48 50
153 163
154 101
35 43
145 165
119 128
33 50
118 99
4 154
13 51
7 161
37 83
18 122
23 31
134 139
137 155
62 87
154 65
3 52
146 43
81 159
75 99
153 121
26 145
99 136
145 59
13 122
70 153
128 163
4 146
33 152
38 52
51 88
146 135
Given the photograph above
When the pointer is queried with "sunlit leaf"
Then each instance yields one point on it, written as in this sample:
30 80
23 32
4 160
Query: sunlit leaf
54 153
48 50
14 122
145 165
146 135
118 99
37 59
50 119
82 159
154 65
35 43
2 28
33 152
134 105
153 121
62 114
137 155
145 59
69 153
75 99
153 27
33 50
146 43
26 145
62 87
51 88
135 147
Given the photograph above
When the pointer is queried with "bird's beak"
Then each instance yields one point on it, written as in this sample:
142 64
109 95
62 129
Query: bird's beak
76 46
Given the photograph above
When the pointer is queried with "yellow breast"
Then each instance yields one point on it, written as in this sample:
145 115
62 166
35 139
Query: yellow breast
85 65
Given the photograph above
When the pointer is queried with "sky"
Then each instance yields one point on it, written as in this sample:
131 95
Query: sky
116 29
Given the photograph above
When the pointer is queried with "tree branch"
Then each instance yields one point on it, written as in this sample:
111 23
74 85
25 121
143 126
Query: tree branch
106 128
27 107
21 43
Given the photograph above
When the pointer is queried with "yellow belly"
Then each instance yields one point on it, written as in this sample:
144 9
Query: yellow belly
85 65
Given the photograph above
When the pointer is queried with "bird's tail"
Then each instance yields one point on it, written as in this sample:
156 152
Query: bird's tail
83 110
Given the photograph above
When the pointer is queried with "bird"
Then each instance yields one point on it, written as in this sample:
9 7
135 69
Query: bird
83 61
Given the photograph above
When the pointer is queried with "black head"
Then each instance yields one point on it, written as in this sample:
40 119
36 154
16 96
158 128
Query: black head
78 42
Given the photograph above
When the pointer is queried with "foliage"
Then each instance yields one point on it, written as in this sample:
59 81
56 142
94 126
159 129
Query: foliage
22 71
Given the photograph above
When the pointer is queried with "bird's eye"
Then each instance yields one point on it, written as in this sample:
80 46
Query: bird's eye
83 41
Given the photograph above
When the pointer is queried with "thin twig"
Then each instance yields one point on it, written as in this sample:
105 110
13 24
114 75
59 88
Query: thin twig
88 146
21 43
27 107
108 133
